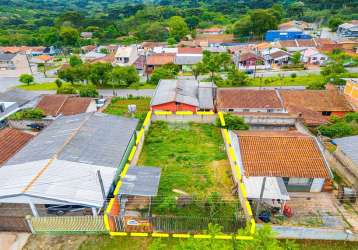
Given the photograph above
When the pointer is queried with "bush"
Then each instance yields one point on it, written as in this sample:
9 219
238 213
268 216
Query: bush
339 129
233 122
67 90
58 83
27 114
293 75
26 78
351 117
88 91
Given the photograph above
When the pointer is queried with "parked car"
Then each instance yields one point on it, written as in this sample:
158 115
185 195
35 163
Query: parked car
63 209
100 103
249 71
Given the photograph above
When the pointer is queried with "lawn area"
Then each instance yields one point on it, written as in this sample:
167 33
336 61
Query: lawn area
124 243
286 81
194 163
119 106
42 86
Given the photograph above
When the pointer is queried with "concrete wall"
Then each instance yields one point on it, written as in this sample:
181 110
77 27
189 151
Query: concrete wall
317 185
22 125
185 118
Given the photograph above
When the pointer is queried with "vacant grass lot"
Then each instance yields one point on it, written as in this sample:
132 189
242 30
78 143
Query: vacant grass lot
193 161
124 243
119 106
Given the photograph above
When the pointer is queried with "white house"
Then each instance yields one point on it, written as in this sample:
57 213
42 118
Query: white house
313 56
126 55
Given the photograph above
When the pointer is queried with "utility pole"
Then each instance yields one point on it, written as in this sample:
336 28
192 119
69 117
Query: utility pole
102 188
261 197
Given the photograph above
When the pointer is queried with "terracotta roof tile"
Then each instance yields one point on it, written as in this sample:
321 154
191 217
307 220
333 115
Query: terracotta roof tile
248 55
160 59
11 141
190 50
311 103
247 98
281 154
54 105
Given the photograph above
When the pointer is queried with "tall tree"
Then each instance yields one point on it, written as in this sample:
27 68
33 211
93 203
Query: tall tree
177 27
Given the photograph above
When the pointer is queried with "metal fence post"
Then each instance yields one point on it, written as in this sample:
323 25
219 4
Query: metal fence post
29 223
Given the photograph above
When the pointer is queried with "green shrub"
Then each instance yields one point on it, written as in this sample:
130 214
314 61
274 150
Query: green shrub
350 117
67 90
27 114
88 91
26 78
233 122
339 129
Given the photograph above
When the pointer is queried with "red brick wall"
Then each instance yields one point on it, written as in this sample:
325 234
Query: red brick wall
171 106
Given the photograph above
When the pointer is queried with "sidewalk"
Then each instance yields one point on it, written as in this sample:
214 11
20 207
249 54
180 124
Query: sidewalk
285 232
13 241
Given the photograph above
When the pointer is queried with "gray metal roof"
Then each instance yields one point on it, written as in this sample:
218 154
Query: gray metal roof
21 97
92 138
142 181
6 57
349 146
206 100
187 59
183 91
61 163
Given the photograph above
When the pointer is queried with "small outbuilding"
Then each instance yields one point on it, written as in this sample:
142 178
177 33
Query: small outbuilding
183 95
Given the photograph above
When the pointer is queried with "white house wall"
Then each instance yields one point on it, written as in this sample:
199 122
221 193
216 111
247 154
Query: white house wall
317 185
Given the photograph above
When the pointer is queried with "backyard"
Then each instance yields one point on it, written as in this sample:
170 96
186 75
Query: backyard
119 106
83 242
195 170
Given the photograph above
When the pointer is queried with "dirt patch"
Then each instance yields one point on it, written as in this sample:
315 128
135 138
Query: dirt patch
53 242
221 173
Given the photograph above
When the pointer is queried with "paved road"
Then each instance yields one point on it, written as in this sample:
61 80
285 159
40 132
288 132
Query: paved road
10 82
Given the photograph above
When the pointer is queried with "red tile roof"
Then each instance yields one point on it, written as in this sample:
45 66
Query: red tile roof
247 98
11 141
160 59
311 104
281 154
190 50
54 105
250 55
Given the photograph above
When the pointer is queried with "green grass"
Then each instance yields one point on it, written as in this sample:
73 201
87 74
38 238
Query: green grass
119 106
137 243
286 81
193 160
42 86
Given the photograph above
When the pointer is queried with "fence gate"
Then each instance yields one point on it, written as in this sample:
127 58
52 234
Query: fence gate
14 224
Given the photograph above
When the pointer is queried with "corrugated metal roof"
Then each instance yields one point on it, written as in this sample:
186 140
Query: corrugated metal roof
101 140
19 96
142 181
183 91
349 146
188 59
61 163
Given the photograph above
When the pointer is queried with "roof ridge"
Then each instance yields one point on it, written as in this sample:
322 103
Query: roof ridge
63 103
47 165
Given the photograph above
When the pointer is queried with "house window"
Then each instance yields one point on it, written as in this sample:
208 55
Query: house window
299 181
326 113
126 60
231 110
323 58
246 110
314 58
269 110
